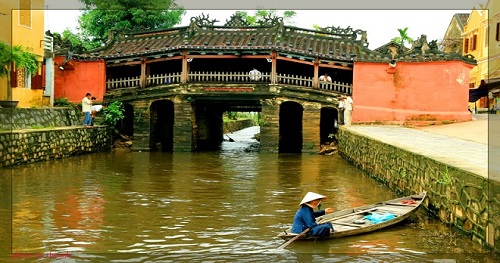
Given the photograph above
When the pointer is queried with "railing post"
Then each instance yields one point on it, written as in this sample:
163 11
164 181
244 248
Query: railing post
316 70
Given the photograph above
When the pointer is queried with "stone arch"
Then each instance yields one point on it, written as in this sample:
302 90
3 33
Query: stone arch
162 125
328 124
290 127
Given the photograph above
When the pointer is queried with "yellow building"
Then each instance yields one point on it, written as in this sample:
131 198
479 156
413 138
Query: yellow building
22 23
494 51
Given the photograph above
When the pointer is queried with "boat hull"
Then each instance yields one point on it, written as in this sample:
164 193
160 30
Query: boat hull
350 222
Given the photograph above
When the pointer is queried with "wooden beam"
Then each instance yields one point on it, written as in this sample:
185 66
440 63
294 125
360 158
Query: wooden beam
143 73
273 68
213 56
296 60
335 66
163 59
128 63
184 67
316 74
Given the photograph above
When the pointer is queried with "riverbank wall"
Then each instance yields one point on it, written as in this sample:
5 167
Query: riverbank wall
32 135
460 198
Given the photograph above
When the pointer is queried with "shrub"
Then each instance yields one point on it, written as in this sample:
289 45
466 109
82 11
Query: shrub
113 113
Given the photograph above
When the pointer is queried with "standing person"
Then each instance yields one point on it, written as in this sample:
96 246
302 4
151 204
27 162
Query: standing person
341 110
95 110
348 107
306 217
325 78
87 110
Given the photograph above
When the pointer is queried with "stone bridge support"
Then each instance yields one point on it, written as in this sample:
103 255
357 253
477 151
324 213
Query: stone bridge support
183 126
142 126
269 126
311 127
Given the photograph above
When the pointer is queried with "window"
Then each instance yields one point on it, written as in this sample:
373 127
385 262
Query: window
473 42
25 13
466 45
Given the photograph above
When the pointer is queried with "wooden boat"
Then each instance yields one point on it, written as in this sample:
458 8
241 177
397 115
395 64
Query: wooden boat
352 221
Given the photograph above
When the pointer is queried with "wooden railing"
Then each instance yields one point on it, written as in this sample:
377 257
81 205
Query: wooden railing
163 79
228 77
295 80
336 86
130 82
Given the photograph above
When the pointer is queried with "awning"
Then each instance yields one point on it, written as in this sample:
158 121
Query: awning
488 85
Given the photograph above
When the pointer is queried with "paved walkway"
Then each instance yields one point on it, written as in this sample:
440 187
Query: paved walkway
463 145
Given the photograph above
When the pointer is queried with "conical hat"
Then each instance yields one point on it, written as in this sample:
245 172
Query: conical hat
310 197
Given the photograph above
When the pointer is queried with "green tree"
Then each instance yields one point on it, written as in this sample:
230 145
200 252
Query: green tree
288 16
403 37
101 16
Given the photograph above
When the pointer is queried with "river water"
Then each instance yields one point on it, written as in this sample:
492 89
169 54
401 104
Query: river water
221 206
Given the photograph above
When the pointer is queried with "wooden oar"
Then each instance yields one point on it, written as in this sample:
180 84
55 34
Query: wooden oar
294 238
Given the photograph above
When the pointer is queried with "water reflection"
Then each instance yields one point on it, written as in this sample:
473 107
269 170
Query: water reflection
224 206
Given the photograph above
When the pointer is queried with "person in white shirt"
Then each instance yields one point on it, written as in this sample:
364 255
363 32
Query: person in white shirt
87 110
348 107
254 75
95 110
341 110
325 78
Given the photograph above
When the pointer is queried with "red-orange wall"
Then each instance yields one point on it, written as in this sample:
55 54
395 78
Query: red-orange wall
419 91
78 78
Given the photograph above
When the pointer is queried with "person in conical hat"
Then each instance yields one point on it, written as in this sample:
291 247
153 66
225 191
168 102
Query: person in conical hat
306 216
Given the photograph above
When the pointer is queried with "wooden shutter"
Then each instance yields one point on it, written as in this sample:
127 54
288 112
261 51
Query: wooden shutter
474 42
36 82
13 79
466 45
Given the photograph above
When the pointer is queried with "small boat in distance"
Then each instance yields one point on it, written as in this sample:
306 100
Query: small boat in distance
365 219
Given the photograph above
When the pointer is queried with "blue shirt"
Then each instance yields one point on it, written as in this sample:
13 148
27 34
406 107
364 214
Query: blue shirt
305 218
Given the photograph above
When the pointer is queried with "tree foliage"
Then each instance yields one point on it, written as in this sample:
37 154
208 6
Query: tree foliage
101 16
403 37
288 16
18 55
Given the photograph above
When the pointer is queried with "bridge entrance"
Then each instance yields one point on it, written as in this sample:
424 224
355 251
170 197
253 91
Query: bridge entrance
162 125
208 130
290 127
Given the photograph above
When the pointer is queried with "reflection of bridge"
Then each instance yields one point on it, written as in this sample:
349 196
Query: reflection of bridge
177 83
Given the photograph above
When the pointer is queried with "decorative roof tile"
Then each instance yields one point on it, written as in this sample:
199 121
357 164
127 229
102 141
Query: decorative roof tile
202 35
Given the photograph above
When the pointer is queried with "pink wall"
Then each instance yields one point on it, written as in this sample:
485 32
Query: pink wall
78 78
410 93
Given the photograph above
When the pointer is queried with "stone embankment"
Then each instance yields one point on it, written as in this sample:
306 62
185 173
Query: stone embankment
463 191
32 135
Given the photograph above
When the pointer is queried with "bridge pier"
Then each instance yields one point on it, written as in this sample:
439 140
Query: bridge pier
183 126
269 126
311 128
142 127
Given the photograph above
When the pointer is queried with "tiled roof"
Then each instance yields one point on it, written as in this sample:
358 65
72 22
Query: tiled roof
203 37
462 19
